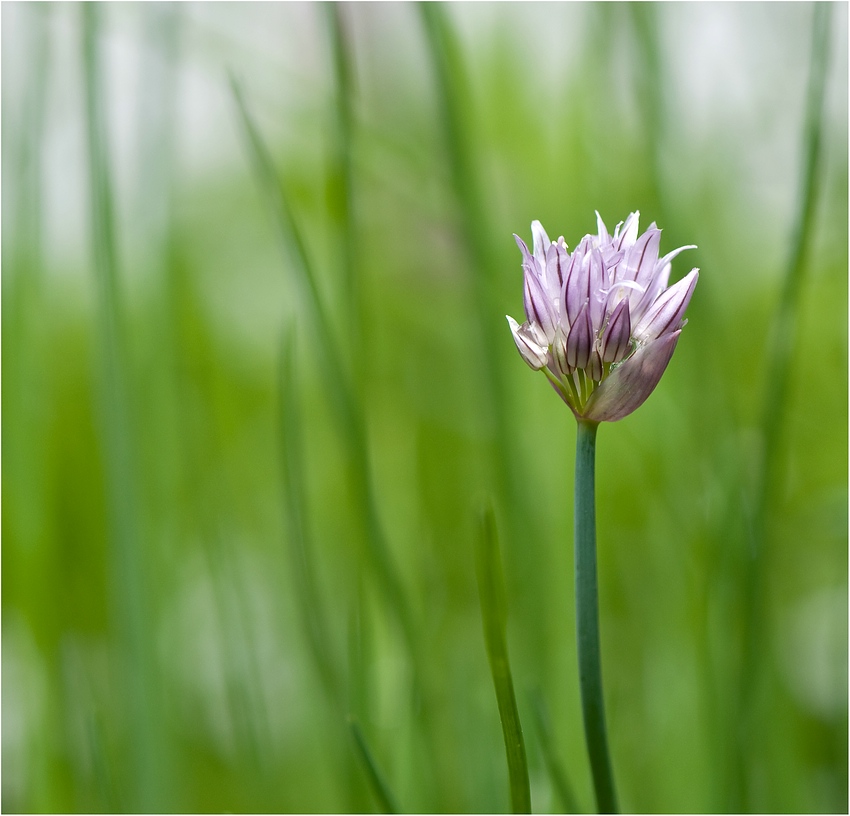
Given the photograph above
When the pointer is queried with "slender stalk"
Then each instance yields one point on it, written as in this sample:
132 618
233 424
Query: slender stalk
382 792
557 773
147 766
587 619
310 604
343 173
491 589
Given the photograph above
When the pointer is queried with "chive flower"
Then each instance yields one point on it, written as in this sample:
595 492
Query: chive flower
601 323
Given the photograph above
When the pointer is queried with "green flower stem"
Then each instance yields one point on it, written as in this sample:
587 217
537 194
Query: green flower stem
587 620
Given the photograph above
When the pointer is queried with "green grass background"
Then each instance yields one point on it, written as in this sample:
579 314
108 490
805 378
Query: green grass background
229 525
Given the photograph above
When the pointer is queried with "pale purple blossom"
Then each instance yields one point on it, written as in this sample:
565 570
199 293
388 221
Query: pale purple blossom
601 322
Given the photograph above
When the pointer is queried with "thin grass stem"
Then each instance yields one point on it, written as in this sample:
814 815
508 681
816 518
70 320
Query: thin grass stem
147 768
557 773
491 591
243 690
382 792
309 602
343 176
587 619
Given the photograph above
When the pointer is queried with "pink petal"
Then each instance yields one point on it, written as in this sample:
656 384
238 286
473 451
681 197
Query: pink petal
541 242
526 340
575 287
538 306
563 267
602 230
597 282
658 283
559 354
640 260
580 339
553 271
527 258
629 385
666 313
670 255
627 233
618 332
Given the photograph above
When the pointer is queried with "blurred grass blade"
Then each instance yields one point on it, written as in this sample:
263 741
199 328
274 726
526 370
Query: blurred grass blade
310 605
556 771
342 186
22 154
338 384
351 423
491 589
242 683
487 316
778 374
650 80
784 333
28 392
453 96
379 787
100 758
147 769
293 243
361 652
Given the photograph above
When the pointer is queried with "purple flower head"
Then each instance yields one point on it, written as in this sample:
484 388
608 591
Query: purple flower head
601 323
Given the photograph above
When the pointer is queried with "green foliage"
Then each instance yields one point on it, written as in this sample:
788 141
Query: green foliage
241 483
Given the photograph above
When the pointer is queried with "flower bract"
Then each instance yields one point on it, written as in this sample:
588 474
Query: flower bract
601 322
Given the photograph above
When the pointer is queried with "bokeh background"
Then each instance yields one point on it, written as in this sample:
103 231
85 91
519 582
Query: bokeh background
238 530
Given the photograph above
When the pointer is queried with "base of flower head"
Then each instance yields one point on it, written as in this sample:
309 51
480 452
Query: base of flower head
624 386
576 388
